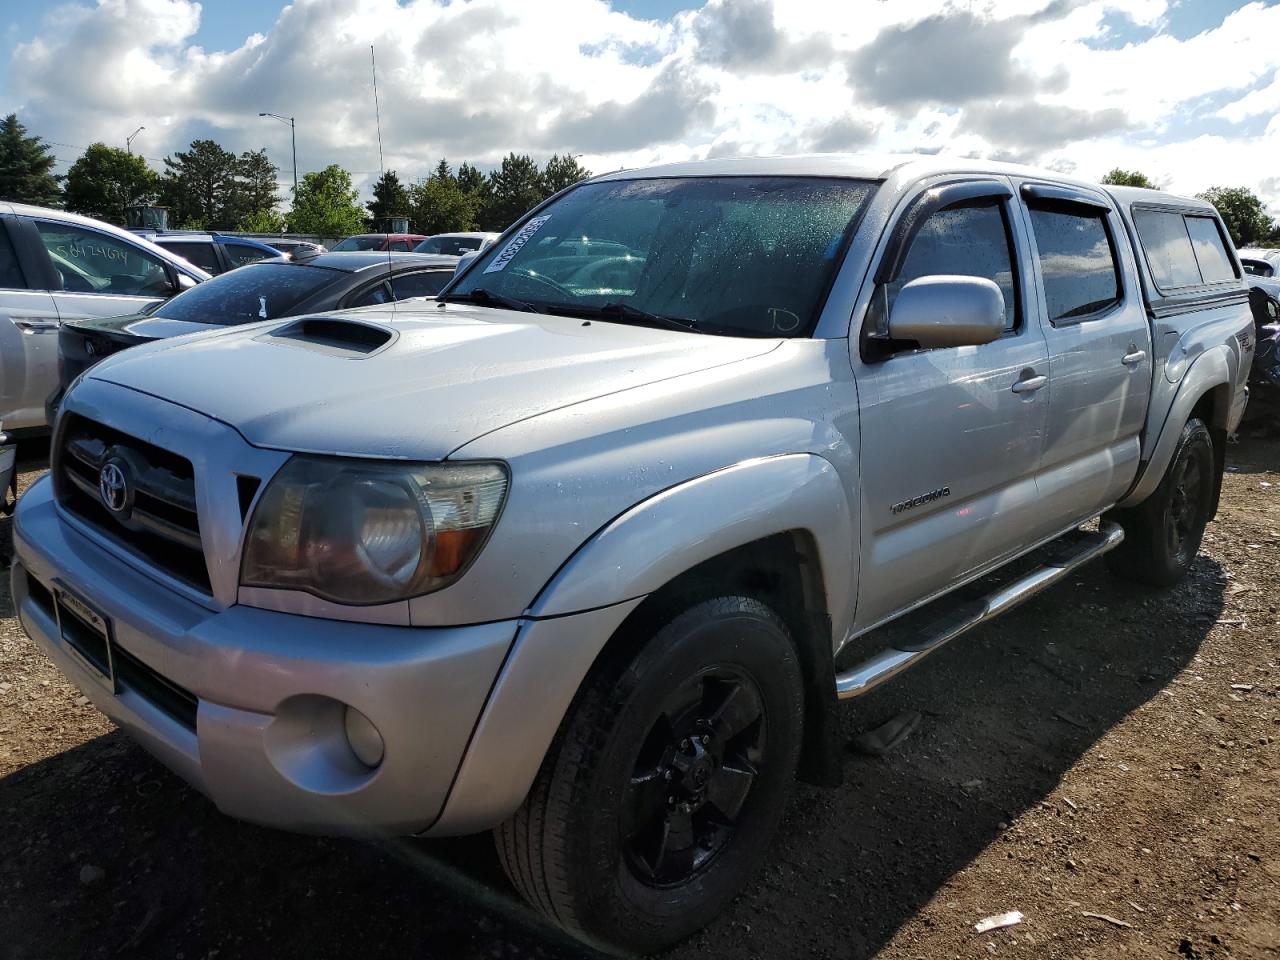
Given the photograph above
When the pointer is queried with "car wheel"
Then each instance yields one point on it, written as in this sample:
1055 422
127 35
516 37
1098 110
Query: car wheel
1162 534
667 779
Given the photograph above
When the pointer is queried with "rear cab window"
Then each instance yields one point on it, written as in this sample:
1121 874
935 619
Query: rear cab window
1184 248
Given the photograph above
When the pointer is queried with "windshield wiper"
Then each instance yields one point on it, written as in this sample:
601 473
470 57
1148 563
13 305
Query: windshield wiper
625 311
486 298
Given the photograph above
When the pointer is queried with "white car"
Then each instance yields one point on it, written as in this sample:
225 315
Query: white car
57 266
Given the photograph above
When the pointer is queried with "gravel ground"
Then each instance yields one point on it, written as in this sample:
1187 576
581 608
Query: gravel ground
1105 760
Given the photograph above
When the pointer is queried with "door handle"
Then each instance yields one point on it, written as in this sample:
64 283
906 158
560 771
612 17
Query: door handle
1134 358
1030 385
37 326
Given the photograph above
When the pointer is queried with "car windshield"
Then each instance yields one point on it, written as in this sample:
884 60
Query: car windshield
745 256
452 246
259 291
359 243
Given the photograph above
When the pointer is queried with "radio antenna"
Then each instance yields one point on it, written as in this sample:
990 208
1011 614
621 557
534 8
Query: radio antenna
382 169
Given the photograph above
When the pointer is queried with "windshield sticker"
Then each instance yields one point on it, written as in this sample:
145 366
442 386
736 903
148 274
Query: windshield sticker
262 307
519 240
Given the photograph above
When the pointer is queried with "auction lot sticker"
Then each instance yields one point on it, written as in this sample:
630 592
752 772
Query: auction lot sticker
516 242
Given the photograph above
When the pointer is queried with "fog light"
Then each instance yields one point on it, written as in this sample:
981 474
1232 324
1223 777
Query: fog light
363 737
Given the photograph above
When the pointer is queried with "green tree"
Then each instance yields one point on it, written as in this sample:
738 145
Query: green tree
199 186
327 204
1246 218
561 172
390 199
1128 178
254 190
104 180
443 172
263 221
471 180
26 166
514 188
440 206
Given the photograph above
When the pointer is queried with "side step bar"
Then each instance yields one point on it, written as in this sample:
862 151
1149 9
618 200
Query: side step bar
888 663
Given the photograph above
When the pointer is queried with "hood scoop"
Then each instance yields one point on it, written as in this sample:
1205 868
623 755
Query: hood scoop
336 336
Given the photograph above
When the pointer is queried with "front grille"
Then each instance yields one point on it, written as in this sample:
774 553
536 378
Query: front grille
175 701
154 516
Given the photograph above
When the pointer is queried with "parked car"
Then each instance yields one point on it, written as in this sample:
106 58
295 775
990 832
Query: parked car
1260 261
291 247
589 550
265 290
55 267
380 241
212 252
456 244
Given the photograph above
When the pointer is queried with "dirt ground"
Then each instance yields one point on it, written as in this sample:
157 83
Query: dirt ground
1105 760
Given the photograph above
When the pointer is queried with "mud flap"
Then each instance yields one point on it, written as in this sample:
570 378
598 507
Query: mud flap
822 755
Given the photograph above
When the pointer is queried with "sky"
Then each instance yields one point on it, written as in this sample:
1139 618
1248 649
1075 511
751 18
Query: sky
1187 91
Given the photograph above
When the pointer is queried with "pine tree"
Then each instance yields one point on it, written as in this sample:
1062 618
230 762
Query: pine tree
514 187
26 166
561 172
390 199
254 189
199 186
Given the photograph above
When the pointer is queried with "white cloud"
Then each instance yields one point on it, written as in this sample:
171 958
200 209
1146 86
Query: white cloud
1075 84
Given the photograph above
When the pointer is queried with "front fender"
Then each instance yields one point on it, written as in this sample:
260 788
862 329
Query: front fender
673 531
1212 370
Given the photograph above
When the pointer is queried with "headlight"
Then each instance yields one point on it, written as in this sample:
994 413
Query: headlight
364 532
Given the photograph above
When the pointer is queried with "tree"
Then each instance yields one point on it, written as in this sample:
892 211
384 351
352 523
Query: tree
26 166
1128 178
327 204
254 188
440 206
390 199
104 180
514 188
263 221
471 180
199 186
1246 218
561 172
443 173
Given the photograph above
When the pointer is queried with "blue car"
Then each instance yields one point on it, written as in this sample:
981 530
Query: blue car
214 253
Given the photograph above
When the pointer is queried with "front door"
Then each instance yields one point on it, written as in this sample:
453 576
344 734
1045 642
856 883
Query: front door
951 438
1099 351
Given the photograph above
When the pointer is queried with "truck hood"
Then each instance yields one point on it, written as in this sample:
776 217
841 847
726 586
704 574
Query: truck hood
451 373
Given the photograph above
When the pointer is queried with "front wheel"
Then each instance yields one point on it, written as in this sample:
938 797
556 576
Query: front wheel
658 799
1162 534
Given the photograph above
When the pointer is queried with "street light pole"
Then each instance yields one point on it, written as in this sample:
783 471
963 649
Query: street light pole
128 141
293 135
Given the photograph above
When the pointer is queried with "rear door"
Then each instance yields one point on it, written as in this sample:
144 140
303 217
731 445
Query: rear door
950 437
202 253
28 330
1099 350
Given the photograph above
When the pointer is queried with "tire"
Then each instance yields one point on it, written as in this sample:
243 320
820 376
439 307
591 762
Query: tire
598 847
1162 534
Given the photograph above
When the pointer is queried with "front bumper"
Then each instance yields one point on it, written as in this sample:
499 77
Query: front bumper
262 731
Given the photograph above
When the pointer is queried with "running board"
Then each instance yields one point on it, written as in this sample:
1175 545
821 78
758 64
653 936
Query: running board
888 663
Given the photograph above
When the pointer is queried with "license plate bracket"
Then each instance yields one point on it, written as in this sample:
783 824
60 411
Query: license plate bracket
86 634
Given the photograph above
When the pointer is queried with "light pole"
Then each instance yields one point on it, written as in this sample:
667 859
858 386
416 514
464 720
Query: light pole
293 134
128 141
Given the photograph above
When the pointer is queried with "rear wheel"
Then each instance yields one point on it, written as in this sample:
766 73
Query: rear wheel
1162 534
667 779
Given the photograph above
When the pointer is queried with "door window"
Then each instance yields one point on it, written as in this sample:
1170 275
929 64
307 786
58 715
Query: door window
427 283
1077 262
378 293
241 253
969 241
10 273
90 262
202 255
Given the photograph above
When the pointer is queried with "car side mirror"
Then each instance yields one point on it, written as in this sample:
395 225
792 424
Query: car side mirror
464 261
183 282
948 311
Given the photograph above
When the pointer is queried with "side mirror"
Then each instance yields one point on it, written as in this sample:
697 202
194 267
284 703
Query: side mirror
183 282
464 261
948 311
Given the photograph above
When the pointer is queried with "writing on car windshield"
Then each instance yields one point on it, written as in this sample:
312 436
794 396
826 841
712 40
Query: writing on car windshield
259 291
745 256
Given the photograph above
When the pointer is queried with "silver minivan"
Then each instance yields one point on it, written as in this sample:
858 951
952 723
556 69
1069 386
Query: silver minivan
57 266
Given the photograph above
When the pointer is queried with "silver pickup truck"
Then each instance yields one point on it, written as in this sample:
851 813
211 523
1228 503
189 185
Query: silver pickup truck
589 551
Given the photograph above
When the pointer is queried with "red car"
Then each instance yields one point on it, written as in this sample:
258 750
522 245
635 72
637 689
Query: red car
380 241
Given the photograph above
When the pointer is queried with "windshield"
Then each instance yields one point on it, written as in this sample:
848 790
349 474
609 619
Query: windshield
359 243
746 256
452 246
259 291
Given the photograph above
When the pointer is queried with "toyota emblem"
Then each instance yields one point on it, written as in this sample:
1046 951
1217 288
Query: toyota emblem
113 487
